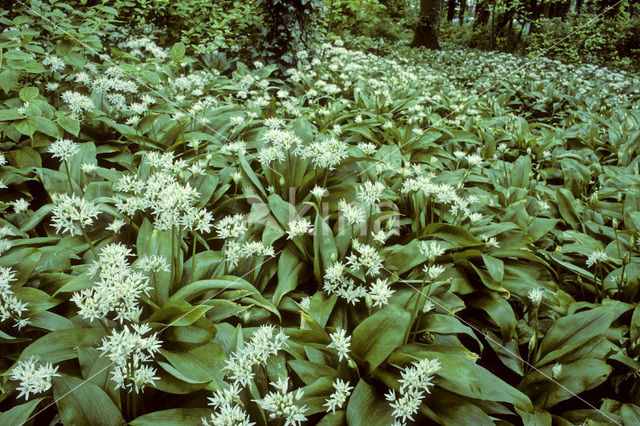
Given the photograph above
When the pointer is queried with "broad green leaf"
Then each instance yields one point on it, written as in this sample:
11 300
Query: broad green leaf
375 338
61 345
571 331
366 408
81 402
19 414
172 417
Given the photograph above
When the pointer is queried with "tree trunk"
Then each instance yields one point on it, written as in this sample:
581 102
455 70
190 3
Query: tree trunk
427 31
482 14
463 6
451 10
578 7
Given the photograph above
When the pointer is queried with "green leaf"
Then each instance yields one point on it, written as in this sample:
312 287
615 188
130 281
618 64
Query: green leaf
177 316
495 267
290 269
69 124
28 94
172 417
574 378
365 408
20 413
10 114
84 403
571 331
197 288
61 345
177 52
199 365
375 338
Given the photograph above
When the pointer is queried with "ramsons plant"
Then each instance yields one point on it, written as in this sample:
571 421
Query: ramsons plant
396 239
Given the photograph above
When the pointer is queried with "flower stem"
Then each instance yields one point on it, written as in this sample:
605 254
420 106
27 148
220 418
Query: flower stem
86 237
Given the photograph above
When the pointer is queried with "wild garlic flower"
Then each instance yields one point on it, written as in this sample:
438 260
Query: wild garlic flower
433 271
367 258
78 103
339 396
326 154
299 227
353 213
336 282
234 251
34 377
340 342
431 250
535 295
305 303
130 351
10 306
229 409
72 213
89 168
5 245
54 63
489 241
152 264
318 191
116 225
118 289
265 342
20 205
380 292
556 370
64 149
597 257
232 226
283 404
369 193
416 380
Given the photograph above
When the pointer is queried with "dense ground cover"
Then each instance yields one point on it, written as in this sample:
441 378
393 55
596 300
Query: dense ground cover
371 236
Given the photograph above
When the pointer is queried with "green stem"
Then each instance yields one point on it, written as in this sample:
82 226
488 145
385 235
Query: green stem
414 311
193 257
86 237
66 168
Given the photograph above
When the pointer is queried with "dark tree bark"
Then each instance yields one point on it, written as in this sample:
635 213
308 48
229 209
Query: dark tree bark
461 10
428 29
579 6
483 12
451 9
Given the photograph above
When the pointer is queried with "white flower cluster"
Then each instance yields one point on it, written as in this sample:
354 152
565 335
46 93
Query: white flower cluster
369 193
33 376
234 251
339 396
597 257
299 227
78 103
340 342
129 350
64 149
72 213
5 244
326 153
118 289
10 305
368 259
416 380
369 262
54 63
264 343
431 250
171 202
229 409
282 404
